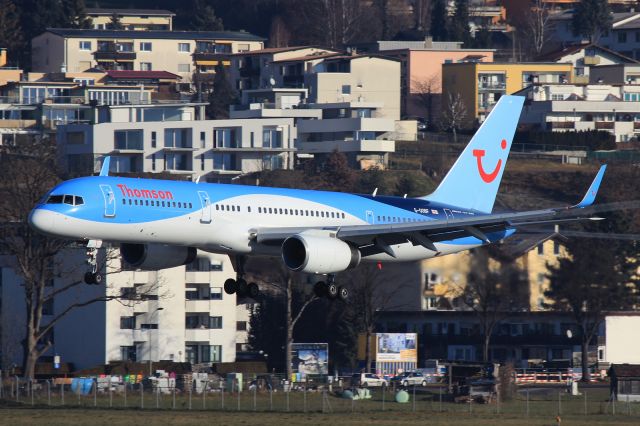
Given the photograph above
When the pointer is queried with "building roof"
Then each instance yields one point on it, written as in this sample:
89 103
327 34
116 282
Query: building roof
149 12
169 35
364 55
141 75
270 50
419 45
310 57
575 48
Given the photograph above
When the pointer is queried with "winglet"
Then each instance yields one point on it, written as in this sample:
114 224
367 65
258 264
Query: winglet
104 171
590 196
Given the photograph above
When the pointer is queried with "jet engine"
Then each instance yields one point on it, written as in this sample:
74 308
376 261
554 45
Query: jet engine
318 253
156 256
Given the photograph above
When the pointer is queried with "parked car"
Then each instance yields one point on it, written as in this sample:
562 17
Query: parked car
368 380
410 378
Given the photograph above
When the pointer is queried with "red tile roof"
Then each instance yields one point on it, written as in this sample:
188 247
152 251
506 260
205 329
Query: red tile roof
150 75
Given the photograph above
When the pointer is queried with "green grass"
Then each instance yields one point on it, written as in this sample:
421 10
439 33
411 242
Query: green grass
272 410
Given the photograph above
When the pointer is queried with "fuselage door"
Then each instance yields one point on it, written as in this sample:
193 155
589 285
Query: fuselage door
109 201
206 207
448 213
369 215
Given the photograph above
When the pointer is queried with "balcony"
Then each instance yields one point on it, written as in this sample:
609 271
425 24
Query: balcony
293 80
114 55
140 307
605 125
562 125
197 335
18 124
492 85
210 58
195 306
364 145
140 335
197 277
346 125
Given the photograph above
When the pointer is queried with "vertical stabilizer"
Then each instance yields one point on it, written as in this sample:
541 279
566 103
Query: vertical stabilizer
474 179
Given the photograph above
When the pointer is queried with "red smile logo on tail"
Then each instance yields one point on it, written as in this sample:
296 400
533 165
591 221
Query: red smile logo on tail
488 177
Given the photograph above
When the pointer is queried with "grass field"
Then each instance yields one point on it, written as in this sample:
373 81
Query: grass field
537 406
59 416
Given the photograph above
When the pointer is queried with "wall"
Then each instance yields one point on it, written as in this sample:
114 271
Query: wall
622 339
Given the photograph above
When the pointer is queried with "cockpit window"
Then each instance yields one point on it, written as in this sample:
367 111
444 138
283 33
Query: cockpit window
55 199
72 200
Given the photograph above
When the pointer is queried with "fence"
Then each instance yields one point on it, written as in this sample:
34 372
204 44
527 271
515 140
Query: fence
185 393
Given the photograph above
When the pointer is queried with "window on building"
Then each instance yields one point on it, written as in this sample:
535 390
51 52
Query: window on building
541 248
84 45
145 46
127 323
556 248
148 326
271 137
346 89
154 139
184 67
216 293
184 47
177 138
128 139
47 307
177 161
224 161
227 137
215 322
128 353
622 36
203 140
202 160
241 325
145 66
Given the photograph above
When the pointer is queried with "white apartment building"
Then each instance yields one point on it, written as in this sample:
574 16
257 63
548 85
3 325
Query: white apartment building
572 107
349 103
172 137
616 74
180 314
180 52
587 59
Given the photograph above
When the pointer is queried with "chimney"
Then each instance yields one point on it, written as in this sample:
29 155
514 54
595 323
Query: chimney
3 57
428 42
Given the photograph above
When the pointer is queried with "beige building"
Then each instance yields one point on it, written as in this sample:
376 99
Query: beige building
183 53
132 19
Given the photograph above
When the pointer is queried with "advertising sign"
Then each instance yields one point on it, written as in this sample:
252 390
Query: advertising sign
310 358
399 347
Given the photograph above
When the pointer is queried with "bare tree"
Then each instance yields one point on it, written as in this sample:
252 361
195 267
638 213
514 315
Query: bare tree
279 34
537 25
422 14
27 172
427 91
454 113
491 294
372 293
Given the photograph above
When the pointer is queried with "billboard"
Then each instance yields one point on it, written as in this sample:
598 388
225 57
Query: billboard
398 347
310 358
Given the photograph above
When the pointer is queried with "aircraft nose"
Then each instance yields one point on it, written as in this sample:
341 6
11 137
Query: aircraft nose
42 220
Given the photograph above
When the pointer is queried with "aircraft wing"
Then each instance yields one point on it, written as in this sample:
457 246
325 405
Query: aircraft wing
376 238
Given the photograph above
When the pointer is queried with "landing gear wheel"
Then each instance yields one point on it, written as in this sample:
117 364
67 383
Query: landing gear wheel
230 286
343 293
97 278
88 278
332 291
242 288
320 289
252 290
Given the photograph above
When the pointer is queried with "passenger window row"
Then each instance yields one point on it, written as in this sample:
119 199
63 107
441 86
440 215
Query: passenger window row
157 203
300 212
396 219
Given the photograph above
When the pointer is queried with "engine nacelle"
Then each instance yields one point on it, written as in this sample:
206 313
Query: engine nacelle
318 252
151 257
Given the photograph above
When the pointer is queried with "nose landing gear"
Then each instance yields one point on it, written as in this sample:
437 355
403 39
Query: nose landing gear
93 276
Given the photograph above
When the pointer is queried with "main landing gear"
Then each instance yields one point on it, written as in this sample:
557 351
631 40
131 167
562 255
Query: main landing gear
240 286
331 290
93 276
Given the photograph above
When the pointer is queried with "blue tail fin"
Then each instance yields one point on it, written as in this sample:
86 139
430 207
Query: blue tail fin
474 179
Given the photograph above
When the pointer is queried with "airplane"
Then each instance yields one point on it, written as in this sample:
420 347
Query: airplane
161 224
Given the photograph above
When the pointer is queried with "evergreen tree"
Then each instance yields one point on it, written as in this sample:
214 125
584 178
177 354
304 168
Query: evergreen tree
199 16
222 95
459 29
591 18
74 14
438 27
10 30
337 174
115 23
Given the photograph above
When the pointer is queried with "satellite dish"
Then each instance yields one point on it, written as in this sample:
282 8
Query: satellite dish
569 334
272 81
